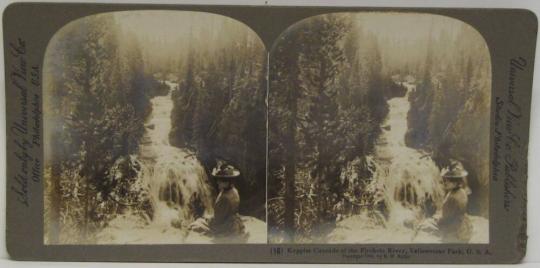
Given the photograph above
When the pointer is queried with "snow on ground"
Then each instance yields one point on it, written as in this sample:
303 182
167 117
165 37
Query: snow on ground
361 229
409 177
177 177
255 228
131 229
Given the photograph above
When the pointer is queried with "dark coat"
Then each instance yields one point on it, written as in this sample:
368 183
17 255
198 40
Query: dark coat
226 220
454 223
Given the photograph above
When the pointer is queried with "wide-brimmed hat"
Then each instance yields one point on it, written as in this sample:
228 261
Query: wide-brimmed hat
225 172
455 171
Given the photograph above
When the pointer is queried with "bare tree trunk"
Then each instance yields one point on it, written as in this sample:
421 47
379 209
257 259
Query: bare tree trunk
290 202
290 169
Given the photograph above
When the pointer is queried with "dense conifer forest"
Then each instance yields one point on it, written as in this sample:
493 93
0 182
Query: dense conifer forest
341 132
139 108
98 101
451 107
366 112
220 113
327 100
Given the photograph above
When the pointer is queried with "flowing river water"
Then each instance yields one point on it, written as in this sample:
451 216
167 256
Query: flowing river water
410 184
174 175
174 178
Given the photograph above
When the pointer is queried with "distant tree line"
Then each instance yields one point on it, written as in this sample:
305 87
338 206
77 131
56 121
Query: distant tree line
97 98
327 101
450 108
220 111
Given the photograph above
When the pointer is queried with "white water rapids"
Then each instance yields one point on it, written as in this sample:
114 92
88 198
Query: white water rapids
405 179
174 178
174 175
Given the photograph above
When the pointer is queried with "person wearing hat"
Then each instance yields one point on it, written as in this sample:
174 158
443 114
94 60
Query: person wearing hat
226 220
226 223
454 225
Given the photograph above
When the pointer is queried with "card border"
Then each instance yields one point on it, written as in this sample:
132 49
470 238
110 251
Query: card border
509 34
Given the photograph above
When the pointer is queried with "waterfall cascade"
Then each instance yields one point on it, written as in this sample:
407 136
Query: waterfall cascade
410 185
175 177
178 187
410 181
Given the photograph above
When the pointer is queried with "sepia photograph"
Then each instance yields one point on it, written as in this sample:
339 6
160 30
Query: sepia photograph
155 130
379 130
268 133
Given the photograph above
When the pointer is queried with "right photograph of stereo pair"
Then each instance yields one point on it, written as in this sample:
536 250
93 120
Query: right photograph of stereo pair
379 131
